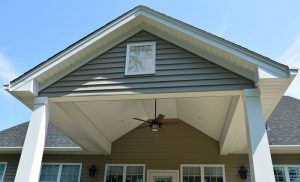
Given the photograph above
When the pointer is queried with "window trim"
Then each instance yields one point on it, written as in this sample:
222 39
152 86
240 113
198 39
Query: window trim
124 170
5 166
286 166
202 169
60 168
148 71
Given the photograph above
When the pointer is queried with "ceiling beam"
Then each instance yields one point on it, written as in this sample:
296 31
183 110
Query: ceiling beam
224 139
72 121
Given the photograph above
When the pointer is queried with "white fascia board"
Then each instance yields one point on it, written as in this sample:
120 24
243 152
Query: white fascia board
266 63
73 50
46 149
210 39
285 149
30 88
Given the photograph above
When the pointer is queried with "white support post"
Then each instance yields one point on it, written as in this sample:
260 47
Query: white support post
33 148
261 167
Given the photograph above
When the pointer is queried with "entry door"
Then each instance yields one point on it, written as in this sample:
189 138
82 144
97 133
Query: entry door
162 176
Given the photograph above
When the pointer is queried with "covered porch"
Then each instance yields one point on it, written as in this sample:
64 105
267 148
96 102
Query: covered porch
234 119
217 87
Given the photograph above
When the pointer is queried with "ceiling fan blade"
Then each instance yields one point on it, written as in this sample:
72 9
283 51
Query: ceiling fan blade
142 126
159 118
142 120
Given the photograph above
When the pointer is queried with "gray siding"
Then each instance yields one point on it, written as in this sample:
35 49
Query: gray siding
177 70
177 144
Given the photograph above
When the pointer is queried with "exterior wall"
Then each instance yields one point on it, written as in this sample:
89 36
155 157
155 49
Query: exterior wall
177 144
177 70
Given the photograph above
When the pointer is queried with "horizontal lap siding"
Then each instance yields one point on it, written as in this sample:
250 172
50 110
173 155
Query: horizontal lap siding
177 144
177 70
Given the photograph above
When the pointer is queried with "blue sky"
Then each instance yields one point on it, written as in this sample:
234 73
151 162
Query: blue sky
32 31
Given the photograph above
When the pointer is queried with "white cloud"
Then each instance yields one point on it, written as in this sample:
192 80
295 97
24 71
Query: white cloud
7 69
291 57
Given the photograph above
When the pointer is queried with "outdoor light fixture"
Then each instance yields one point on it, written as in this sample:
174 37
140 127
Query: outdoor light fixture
92 171
155 126
243 172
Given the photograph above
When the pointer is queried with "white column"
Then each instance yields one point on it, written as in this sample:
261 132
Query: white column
261 167
33 148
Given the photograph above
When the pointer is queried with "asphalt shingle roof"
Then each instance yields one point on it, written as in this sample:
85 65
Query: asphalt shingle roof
15 136
284 124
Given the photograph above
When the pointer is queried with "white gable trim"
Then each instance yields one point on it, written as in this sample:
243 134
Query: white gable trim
142 18
72 50
259 60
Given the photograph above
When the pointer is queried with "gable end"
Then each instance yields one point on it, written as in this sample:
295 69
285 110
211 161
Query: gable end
177 70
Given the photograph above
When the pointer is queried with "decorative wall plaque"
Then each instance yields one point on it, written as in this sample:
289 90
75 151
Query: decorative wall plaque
140 58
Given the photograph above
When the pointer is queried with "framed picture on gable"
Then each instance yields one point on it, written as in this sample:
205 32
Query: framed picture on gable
140 58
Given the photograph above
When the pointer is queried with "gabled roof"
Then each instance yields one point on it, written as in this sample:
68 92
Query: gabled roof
89 36
231 56
284 124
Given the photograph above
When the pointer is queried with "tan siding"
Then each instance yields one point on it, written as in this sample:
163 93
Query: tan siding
177 144
177 70
11 168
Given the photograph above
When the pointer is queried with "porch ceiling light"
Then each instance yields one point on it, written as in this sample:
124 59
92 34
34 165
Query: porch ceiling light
155 126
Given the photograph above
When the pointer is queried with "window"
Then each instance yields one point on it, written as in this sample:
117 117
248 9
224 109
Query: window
287 173
202 173
2 170
124 173
140 58
53 172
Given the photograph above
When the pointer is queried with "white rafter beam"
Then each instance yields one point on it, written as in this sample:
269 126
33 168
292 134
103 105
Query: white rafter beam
224 138
94 139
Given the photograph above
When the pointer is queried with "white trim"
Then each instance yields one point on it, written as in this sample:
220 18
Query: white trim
202 169
124 169
60 168
168 21
46 149
147 70
2 177
218 42
70 51
285 149
162 171
286 172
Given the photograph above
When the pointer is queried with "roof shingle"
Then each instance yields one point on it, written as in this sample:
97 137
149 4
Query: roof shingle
284 122
15 136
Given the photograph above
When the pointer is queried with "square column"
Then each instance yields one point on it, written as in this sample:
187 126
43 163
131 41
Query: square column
261 167
32 154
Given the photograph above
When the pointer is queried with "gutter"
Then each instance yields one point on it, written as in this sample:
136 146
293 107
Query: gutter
46 149
285 149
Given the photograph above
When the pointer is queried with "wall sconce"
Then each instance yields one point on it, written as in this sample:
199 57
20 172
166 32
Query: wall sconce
243 172
92 171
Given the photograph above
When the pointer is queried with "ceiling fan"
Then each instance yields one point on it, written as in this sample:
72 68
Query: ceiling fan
154 124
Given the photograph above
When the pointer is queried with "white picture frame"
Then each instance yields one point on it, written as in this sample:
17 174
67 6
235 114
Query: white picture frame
140 58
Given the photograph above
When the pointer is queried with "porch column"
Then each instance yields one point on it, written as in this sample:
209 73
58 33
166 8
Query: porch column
261 167
33 148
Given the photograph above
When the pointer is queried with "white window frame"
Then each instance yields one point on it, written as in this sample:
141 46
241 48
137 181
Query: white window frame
5 165
60 168
147 70
286 171
125 170
202 169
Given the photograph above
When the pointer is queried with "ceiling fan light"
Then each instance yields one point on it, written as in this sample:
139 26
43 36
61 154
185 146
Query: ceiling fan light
155 127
